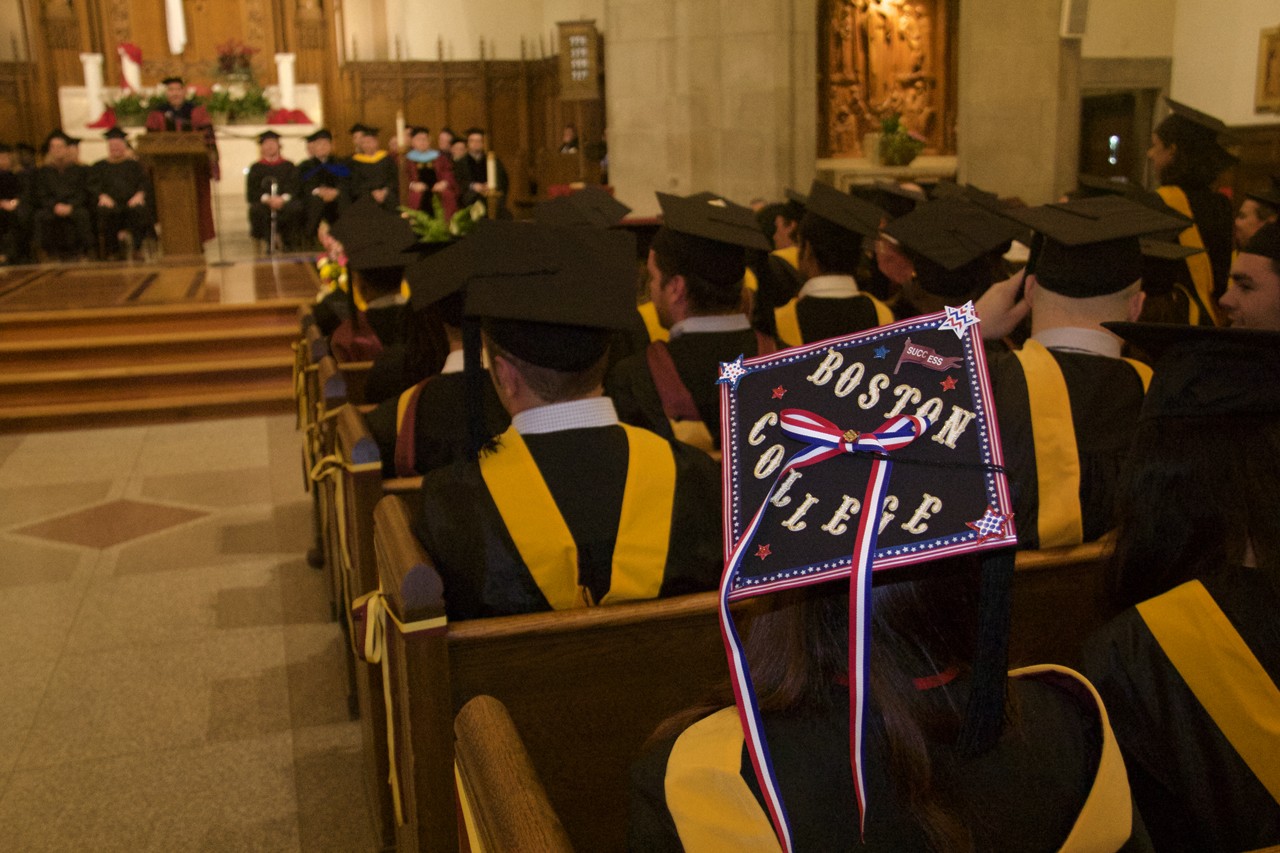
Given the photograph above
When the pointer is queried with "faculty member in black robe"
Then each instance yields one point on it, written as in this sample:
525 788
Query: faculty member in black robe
373 170
272 187
63 225
119 185
15 209
326 181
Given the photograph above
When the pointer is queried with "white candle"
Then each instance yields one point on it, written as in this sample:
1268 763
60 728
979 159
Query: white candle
492 163
286 80
400 140
92 63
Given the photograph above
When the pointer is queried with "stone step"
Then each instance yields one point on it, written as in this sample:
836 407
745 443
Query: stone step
158 379
43 326
166 409
91 352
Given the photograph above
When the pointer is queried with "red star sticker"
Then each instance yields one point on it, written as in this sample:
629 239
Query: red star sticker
763 551
779 392
948 384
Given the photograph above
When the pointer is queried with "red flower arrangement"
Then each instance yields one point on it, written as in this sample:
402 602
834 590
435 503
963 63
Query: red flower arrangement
234 57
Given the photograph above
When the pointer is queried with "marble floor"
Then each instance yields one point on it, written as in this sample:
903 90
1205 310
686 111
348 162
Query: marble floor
169 676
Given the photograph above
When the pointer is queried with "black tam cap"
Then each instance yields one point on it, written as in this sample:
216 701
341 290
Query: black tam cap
1090 247
374 238
115 133
367 130
322 133
549 295
166 81
58 134
588 207
1206 370
706 236
849 213
267 134
1265 242
948 239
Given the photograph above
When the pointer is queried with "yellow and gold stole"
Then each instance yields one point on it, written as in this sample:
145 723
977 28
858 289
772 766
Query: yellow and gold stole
1227 680
1199 265
649 314
713 809
1060 521
544 541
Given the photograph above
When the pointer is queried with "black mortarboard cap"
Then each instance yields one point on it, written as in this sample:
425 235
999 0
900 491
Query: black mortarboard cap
267 134
1090 247
588 207
1269 197
1196 122
845 211
798 198
952 232
322 133
115 133
1265 242
826 481
58 134
414 130
1163 263
366 223
1206 370
367 130
894 198
705 235
166 81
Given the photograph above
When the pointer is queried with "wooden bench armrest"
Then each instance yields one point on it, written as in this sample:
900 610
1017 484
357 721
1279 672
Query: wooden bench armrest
317 345
1055 558
402 485
355 442
333 385
409 579
506 799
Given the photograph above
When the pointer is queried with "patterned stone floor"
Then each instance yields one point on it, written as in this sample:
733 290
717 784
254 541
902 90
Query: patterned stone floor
169 676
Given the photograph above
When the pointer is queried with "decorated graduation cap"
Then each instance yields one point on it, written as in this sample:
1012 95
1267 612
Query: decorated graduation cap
847 212
322 133
947 239
1206 370
856 456
588 207
1089 247
705 235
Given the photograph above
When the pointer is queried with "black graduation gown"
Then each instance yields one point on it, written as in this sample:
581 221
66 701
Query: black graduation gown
823 317
1106 396
258 183
15 225
585 471
1022 795
1194 790
440 423
1212 214
121 180
468 170
367 177
68 185
697 356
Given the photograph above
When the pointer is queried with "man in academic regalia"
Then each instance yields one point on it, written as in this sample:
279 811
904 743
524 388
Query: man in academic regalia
62 223
373 170
1252 299
15 210
122 193
567 508
1257 209
272 189
696 266
1068 402
183 114
472 173
325 183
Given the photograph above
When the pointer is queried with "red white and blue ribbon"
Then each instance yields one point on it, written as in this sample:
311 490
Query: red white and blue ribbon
823 441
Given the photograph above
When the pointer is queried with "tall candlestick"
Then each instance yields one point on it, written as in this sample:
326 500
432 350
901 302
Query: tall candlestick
92 63
401 142
492 168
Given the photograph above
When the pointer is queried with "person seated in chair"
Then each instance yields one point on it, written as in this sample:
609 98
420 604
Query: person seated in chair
63 226
325 183
273 191
15 210
123 197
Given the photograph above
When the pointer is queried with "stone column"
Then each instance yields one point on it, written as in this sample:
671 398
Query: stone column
92 63
285 80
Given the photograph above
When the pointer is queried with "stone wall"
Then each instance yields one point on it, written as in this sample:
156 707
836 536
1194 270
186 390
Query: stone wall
710 95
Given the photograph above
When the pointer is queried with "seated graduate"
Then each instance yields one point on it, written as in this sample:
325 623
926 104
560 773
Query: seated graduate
922 742
955 249
776 277
15 209
1257 209
1068 402
378 246
895 200
63 227
123 197
273 190
425 427
696 266
325 183
1189 674
1252 299
831 236
567 508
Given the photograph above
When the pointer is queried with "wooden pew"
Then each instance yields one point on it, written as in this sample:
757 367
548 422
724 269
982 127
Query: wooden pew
585 687
356 374
1059 598
318 453
308 351
504 804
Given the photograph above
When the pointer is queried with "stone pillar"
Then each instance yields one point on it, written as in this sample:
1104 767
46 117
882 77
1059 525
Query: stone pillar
710 95
94 108
285 80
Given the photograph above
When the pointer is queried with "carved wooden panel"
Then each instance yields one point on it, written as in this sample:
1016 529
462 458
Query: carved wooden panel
879 57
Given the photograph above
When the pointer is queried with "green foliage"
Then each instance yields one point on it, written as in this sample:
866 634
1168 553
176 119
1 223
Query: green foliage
433 228
898 145
253 102
129 104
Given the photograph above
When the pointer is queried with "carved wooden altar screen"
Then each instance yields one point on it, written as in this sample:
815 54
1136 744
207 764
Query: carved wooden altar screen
878 57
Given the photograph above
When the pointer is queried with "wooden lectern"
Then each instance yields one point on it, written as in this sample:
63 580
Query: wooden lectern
178 162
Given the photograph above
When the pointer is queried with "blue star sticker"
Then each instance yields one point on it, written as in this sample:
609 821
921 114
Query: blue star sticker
731 372
882 351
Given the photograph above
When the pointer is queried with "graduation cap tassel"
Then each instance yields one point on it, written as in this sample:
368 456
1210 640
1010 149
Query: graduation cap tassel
473 367
984 714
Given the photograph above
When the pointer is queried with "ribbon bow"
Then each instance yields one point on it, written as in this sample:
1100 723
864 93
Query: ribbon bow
823 440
